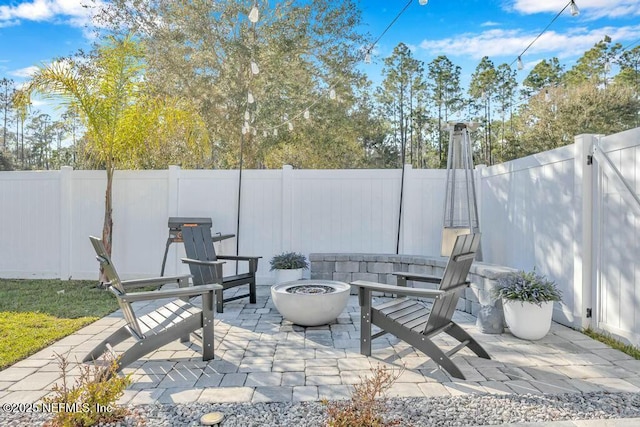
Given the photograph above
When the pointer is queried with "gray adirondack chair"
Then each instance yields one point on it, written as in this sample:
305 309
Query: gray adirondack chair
409 319
174 320
206 266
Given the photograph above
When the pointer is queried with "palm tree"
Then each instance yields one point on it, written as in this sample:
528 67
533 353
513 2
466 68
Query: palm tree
107 89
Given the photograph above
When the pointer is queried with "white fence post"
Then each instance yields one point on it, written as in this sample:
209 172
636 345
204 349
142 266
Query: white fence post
287 207
173 190
65 222
583 243
407 199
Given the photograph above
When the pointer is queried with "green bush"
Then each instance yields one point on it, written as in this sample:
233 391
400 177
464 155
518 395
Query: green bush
289 261
528 286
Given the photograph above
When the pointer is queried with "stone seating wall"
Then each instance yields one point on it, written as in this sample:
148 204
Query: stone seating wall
347 267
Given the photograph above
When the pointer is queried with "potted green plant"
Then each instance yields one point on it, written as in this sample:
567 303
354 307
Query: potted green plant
288 266
527 300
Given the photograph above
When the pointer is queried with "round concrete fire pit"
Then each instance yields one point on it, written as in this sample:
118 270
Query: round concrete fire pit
310 302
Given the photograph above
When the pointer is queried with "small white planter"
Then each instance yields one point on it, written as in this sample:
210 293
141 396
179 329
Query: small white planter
283 276
314 307
527 320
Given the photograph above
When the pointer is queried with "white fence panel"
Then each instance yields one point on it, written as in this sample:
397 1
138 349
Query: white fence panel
30 224
527 217
618 234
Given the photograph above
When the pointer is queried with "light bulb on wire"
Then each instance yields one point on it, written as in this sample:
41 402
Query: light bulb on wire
332 94
254 68
247 115
423 2
306 114
290 125
367 58
574 8
520 64
250 98
254 15
275 132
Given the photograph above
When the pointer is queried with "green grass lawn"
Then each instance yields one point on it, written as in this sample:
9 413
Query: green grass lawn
36 313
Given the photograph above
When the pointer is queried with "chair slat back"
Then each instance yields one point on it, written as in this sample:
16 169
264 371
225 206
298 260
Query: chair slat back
455 273
198 244
115 285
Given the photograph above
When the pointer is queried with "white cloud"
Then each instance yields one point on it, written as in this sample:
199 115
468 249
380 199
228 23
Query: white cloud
24 72
510 43
71 12
590 9
490 24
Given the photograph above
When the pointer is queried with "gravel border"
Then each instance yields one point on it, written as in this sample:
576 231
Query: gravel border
469 410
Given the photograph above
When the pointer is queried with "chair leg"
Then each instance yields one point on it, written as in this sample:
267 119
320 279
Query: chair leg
114 339
364 296
207 326
219 301
252 291
461 335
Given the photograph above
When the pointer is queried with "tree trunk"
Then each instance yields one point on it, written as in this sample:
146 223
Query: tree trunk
107 227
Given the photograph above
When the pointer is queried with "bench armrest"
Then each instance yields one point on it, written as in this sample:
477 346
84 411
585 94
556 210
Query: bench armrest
169 293
198 262
400 290
417 277
154 281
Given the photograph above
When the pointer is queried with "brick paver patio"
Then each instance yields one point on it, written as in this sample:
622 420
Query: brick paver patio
261 358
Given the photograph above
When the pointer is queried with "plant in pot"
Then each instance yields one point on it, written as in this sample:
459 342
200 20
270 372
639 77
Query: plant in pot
527 300
288 266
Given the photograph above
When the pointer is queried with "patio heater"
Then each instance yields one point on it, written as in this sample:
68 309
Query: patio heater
460 205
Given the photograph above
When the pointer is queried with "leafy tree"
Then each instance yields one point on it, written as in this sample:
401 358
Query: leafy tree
401 86
208 52
547 122
107 90
543 75
629 62
505 93
594 65
482 88
446 94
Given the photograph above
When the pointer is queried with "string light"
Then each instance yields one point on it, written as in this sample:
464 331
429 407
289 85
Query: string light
520 64
423 2
254 15
574 7
250 98
290 125
332 93
306 114
254 68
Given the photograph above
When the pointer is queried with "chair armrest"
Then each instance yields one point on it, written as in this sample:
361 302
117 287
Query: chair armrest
417 277
198 262
170 293
400 290
219 236
154 281
239 257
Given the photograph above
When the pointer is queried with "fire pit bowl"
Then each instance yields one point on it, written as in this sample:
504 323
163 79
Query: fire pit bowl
310 302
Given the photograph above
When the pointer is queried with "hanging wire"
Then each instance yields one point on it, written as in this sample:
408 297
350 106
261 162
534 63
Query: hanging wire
519 57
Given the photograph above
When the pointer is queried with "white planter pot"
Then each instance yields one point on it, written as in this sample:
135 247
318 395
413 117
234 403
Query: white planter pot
310 309
283 276
527 320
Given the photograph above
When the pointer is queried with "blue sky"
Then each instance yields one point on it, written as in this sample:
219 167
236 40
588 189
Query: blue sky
33 32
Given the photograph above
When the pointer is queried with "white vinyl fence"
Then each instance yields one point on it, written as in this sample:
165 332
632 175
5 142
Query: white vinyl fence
46 217
571 213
